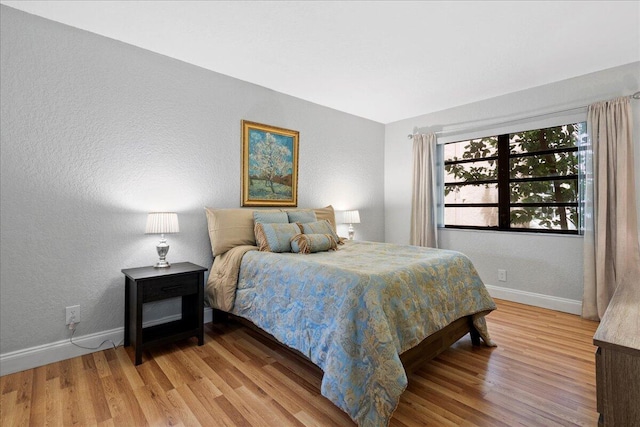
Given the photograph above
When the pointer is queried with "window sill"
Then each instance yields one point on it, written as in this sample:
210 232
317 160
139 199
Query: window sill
513 233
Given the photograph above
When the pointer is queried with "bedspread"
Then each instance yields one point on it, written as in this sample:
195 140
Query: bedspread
353 311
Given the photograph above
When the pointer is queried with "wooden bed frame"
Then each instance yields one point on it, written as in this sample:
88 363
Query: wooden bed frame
411 359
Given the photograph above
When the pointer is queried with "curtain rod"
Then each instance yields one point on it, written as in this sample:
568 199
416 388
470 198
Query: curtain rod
634 96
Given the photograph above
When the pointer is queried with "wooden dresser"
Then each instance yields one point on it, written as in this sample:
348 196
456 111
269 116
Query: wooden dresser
618 358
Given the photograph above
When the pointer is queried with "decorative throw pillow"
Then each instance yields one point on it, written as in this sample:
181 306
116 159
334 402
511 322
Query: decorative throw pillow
270 217
321 213
275 237
305 215
320 227
310 243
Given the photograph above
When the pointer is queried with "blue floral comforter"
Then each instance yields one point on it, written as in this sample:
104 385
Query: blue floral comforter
353 311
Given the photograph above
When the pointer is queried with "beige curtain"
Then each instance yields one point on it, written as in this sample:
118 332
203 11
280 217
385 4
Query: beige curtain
424 218
611 229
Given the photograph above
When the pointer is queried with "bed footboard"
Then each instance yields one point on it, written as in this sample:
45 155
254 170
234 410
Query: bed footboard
411 359
438 342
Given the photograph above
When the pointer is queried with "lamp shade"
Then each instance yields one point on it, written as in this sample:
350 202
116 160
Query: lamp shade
162 223
351 217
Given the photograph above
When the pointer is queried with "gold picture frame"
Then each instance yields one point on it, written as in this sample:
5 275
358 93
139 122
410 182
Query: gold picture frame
269 165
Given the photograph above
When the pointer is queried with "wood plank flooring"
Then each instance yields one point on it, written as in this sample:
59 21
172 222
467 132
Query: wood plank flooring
541 374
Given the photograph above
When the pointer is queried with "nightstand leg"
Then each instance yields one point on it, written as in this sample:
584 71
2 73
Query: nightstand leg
139 339
200 309
127 313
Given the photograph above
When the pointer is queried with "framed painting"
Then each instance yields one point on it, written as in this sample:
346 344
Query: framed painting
269 165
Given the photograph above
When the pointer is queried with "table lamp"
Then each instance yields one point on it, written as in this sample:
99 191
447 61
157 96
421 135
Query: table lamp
162 223
351 217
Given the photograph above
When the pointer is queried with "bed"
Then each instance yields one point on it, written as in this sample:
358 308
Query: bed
365 314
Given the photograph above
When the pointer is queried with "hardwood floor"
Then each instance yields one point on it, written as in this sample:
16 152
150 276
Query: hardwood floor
541 374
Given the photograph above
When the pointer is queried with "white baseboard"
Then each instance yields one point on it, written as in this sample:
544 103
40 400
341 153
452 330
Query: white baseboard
33 357
208 315
538 300
54 352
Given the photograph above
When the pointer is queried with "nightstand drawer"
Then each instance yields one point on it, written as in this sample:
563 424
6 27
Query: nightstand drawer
170 287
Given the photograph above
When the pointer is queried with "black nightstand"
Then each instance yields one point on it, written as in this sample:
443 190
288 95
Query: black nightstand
147 284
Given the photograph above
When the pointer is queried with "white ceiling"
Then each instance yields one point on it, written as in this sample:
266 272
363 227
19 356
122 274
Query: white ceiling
381 60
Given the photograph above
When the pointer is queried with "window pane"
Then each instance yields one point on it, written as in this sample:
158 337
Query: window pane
474 171
556 164
545 218
471 216
471 193
545 139
544 191
471 149
526 162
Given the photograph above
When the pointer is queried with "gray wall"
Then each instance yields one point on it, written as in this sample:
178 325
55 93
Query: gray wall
542 264
96 133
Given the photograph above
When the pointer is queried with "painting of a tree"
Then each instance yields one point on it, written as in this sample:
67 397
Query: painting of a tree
269 165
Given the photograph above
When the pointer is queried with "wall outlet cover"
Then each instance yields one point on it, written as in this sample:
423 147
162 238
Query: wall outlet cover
73 312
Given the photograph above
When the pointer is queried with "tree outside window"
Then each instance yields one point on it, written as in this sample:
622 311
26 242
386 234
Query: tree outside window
520 181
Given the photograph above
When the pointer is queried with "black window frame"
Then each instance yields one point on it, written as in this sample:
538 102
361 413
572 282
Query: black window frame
503 182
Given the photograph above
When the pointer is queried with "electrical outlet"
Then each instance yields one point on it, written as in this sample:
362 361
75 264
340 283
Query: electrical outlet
502 275
73 314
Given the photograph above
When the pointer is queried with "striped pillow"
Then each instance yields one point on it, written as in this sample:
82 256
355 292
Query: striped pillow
320 227
275 237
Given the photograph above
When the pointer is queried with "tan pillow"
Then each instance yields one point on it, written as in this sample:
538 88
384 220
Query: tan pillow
328 214
229 228
323 213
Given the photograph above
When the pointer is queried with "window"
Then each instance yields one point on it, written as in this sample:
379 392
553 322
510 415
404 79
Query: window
524 181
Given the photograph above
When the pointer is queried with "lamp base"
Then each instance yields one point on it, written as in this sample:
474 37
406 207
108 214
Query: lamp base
162 264
162 249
